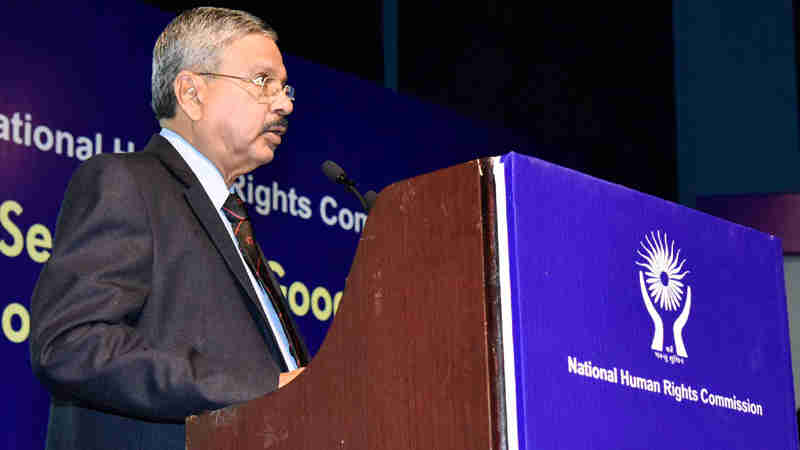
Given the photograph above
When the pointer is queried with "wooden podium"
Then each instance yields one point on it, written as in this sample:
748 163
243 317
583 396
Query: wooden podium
503 304
412 359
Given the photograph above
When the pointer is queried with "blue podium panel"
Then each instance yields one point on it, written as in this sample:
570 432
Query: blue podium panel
639 323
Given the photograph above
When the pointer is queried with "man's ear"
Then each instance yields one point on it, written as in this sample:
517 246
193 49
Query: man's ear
187 88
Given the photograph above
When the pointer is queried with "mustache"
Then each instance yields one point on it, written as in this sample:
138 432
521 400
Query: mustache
279 123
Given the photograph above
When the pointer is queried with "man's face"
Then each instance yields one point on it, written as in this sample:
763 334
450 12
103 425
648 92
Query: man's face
244 133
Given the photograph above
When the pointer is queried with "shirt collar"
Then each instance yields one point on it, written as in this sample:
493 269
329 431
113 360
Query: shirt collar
206 172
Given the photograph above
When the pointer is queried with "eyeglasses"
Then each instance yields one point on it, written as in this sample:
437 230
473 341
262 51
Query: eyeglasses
269 87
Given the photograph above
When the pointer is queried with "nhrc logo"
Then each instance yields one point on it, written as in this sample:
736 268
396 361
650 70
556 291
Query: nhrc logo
662 286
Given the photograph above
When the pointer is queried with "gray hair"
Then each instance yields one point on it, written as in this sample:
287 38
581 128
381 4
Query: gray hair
194 41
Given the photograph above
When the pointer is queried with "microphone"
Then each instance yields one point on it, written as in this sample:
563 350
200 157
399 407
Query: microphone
337 175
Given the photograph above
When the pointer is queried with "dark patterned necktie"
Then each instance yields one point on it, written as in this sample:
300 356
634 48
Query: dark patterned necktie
235 211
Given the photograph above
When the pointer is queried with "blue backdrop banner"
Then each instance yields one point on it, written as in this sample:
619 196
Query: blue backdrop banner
76 83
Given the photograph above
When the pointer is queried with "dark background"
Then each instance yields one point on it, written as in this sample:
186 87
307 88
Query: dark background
590 84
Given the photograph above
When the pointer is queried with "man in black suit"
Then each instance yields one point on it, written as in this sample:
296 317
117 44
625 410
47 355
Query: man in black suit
155 304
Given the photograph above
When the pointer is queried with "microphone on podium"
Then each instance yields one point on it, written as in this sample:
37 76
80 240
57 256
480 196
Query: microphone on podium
336 174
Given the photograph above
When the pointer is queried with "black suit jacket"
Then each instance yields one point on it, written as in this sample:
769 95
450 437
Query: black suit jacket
144 313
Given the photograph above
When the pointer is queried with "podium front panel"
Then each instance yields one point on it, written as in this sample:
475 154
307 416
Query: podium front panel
639 323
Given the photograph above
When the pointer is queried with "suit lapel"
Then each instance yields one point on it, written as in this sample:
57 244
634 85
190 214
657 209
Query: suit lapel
204 210
198 200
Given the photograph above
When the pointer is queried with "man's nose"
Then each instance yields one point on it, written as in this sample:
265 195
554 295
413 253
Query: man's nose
283 105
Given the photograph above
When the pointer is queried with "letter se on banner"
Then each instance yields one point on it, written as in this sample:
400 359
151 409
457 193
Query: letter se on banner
37 239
